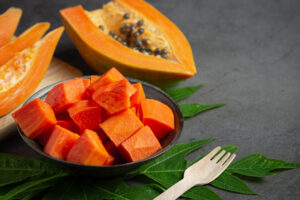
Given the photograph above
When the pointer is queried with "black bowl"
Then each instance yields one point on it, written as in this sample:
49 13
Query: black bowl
114 170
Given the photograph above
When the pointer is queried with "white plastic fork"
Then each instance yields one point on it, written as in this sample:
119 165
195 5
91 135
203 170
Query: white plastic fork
202 172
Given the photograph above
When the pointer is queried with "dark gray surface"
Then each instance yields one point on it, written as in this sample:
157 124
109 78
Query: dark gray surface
247 54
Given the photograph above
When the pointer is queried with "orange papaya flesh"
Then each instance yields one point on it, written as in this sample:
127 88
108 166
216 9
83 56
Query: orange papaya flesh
86 82
114 151
60 142
25 40
109 161
35 119
133 110
86 114
94 78
88 150
158 116
104 138
140 145
9 21
68 124
110 76
121 126
115 96
65 94
102 52
21 75
138 96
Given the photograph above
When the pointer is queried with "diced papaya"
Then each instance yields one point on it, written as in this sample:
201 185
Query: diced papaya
60 142
36 119
158 116
86 114
138 96
133 109
86 82
65 94
112 75
94 78
103 137
63 116
121 126
105 115
68 124
114 97
140 145
114 151
109 161
88 150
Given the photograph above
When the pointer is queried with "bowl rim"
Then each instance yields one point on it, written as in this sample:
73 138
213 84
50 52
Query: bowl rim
115 166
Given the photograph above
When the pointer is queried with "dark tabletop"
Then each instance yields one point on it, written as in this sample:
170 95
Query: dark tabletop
247 54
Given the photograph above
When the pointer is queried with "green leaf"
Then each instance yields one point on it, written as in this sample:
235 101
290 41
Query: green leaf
190 110
182 93
257 165
171 85
15 168
227 181
201 193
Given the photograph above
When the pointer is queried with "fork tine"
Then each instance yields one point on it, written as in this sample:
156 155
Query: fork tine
217 158
225 165
223 160
213 152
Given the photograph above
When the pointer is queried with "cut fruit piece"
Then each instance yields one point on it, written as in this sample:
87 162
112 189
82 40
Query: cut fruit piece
110 76
140 145
109 161
115 96
36 119
158 116
68 124
133 109
8 24
86 114
121 126
60 142
103 137
94 78
88 150
138 96
25 40
65 94
114 151
101 51
86 82
21 75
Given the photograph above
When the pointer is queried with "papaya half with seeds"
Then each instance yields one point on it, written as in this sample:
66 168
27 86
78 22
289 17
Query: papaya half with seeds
132 36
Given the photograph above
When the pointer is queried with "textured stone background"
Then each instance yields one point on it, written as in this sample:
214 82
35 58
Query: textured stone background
248 56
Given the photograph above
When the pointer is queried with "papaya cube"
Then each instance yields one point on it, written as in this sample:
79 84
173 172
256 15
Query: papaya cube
36 119
114 151
65 94
86 114
133 109
115 96
140 145
138 96
112 75
88 150
86 82
60 142
103 137
68 124
121 126
158 116
109 161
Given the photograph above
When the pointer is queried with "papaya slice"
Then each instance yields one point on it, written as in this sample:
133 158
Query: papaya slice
25 40
60 142
140 145
121 126
158 116
138 96
88 150
86 114
36 119
65 94
156 51
8 24
22 74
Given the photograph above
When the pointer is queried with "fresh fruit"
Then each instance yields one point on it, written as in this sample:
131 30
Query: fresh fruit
140 145
158 116
88 150
68 124
36 119
121 126
138 96
60 142
132 36
22 74
8 24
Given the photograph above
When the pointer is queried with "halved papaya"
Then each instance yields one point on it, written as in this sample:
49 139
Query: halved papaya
8 24
22 74
132 36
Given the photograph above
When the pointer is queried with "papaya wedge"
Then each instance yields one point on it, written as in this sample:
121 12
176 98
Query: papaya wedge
25 40
8 24
99 38
22 74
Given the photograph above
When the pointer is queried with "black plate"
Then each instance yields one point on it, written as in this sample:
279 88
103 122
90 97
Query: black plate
114 170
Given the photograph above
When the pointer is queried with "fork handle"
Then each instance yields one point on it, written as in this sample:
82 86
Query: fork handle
176 190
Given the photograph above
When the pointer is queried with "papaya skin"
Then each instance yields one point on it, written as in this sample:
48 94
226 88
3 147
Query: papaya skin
102 52
15 95
8 24
25 40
